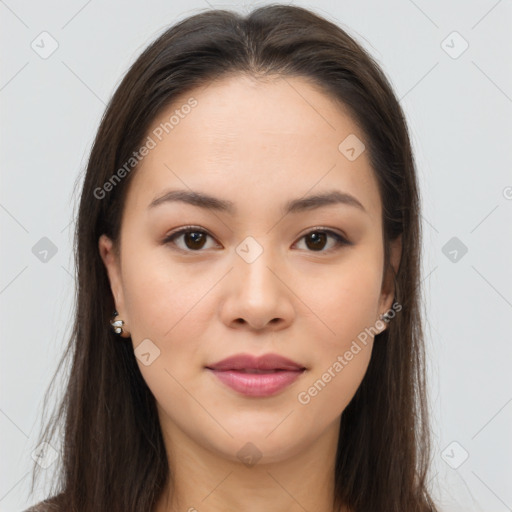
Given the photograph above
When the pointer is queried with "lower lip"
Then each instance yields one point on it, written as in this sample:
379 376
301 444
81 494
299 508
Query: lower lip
257 384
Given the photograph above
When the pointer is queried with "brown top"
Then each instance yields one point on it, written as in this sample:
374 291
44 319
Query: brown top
47 505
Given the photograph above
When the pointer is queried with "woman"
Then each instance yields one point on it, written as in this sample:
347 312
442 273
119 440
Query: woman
248 330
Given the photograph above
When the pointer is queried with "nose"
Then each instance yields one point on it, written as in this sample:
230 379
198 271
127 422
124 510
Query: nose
257 296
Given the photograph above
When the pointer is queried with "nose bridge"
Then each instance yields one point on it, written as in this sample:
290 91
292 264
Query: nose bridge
254 261
254 293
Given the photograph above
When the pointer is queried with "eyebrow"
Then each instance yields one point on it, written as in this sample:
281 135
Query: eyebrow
206 201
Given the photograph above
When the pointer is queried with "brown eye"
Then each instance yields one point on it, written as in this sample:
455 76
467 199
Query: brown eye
194 239
317 240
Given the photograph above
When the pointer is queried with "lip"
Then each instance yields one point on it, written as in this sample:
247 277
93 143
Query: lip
250 362
274 373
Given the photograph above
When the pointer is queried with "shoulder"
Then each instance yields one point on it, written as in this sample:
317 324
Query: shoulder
48 505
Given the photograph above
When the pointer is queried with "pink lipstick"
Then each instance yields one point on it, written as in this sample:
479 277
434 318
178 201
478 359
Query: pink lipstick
257 376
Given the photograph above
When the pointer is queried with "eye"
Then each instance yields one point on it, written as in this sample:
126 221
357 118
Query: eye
315 240
194 239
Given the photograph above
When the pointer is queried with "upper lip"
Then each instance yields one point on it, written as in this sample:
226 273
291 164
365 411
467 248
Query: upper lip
250 362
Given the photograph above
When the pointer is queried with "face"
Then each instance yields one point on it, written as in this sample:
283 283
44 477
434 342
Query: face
251 275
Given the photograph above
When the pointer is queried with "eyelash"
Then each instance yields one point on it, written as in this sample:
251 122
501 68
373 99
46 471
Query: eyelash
340 240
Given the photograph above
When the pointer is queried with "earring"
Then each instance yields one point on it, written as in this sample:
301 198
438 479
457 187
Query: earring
117 325
386 317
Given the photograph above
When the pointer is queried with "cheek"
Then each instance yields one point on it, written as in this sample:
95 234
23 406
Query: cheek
157 296
164 306
343 351
347 300
332 385
346 304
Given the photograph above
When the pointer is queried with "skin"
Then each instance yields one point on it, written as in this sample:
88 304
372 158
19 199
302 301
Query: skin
257 145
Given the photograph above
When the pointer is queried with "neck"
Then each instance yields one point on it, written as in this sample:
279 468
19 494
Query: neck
203 480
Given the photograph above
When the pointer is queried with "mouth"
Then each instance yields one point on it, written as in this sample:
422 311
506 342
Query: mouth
256 376
256 383
255 371
254 364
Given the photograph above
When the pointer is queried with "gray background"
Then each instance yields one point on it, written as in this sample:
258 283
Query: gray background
459 107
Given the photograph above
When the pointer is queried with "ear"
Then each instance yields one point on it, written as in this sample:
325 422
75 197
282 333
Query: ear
388 286
112 264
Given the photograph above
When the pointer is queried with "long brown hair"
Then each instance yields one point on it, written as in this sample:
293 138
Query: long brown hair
113 456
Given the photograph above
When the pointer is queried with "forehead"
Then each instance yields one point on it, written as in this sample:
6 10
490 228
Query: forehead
256 143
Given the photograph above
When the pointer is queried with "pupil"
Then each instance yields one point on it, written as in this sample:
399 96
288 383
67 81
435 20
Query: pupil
318 238
195 237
